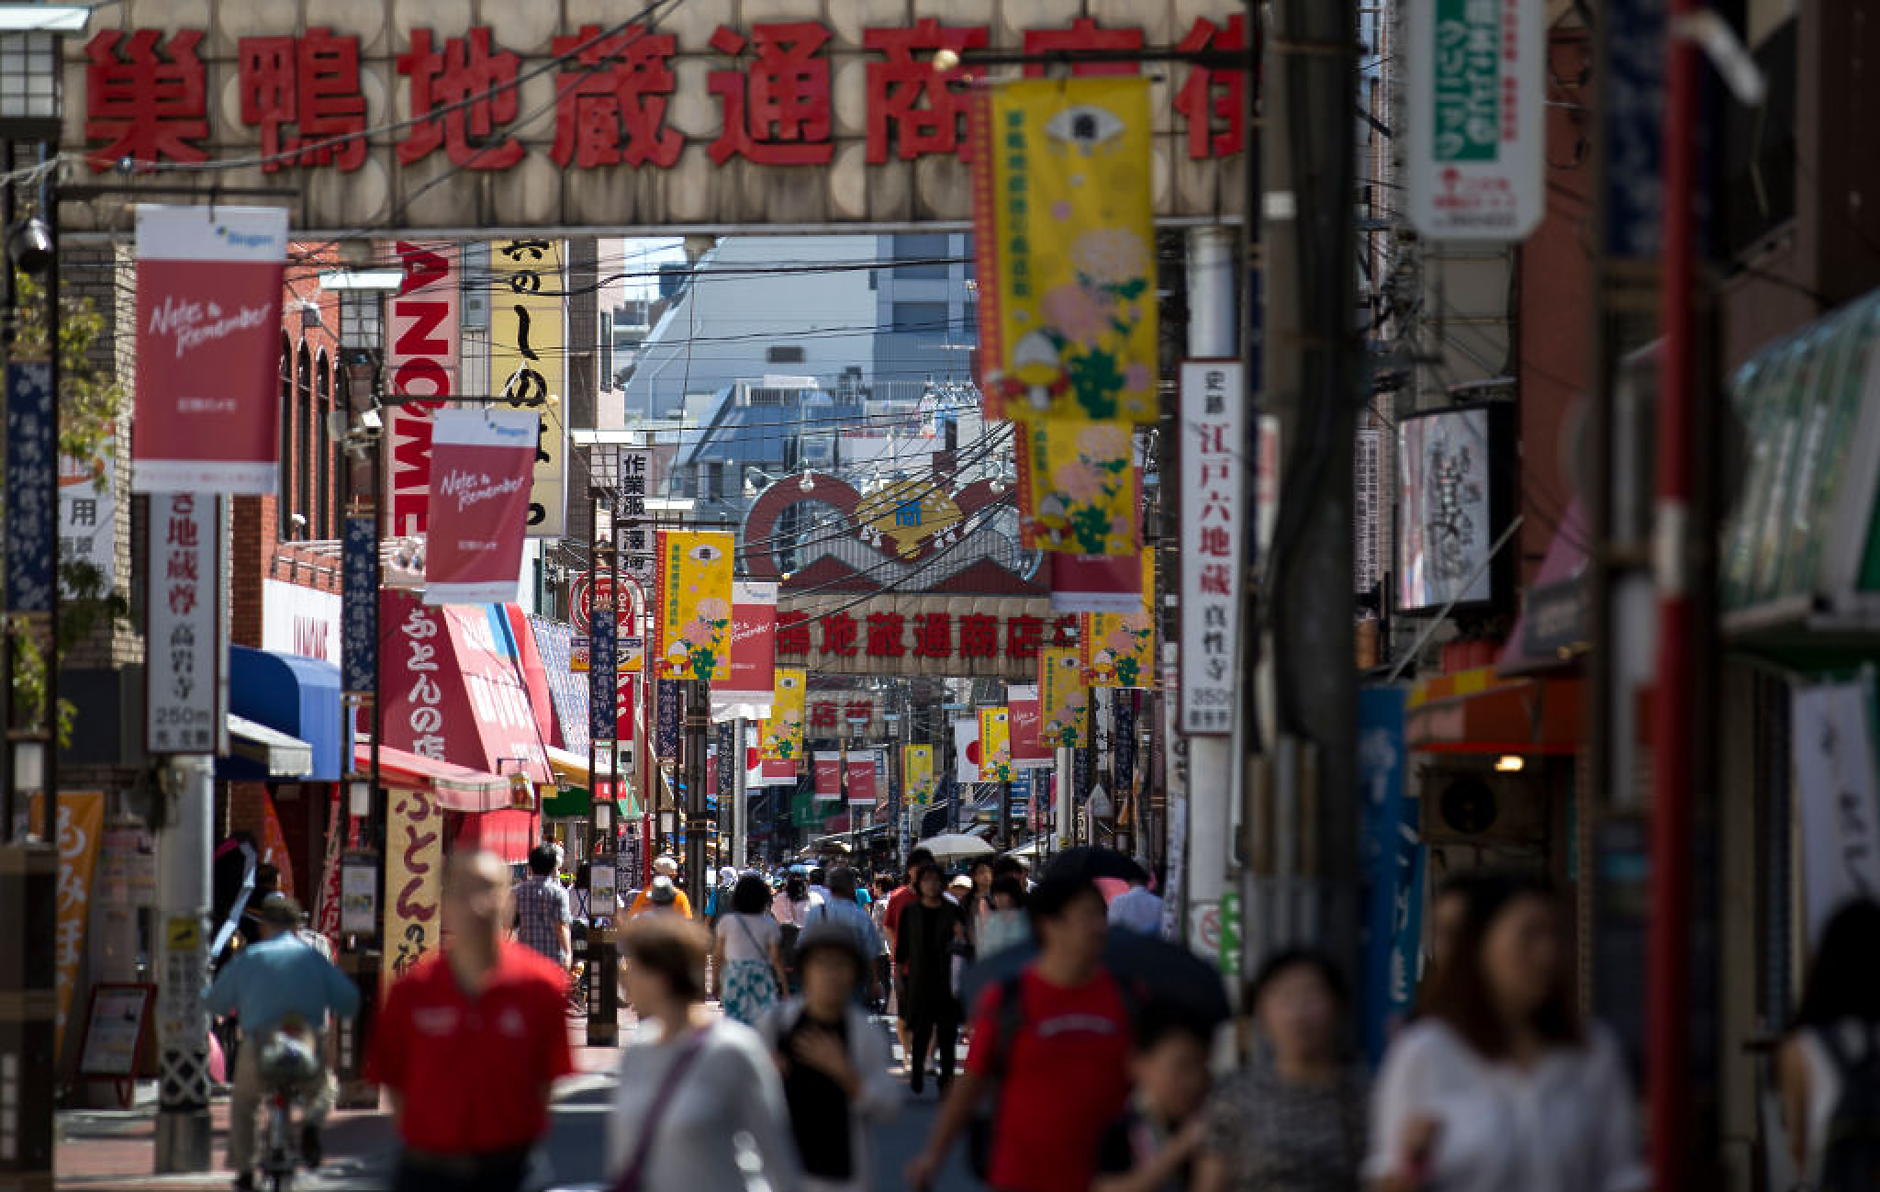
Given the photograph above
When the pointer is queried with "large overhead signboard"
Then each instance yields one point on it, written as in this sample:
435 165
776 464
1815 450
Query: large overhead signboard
561 117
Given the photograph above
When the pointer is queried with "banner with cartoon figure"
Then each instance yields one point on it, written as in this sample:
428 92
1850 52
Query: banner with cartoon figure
1078 487
1063 697
1063 222
783 729
995 745
1119 648
917 774
693 598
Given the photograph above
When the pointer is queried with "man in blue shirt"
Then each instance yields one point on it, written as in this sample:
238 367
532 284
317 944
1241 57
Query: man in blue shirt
277 983
843 911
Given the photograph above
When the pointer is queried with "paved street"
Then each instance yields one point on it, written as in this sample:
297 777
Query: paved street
111 1149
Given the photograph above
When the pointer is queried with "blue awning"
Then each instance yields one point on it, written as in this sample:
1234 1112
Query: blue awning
293 695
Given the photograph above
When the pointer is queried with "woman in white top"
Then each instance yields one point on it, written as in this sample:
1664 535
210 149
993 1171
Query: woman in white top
1500 1086
747 953
1838 1026
691 1083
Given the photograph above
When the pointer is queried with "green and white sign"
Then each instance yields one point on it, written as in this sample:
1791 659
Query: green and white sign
1475 117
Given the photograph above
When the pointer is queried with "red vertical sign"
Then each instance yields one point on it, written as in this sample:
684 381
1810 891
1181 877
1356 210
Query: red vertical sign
481 465
862 778
827 770
421 324
1024 724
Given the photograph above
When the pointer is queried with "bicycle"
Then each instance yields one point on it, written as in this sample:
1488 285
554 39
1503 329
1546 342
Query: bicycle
287 1064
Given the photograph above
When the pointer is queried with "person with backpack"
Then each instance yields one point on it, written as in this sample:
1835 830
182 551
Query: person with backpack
843 911
1051 1051
1500 1085
834 1062
1828 1070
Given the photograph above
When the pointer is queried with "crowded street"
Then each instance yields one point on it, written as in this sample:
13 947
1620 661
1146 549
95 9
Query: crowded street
859 595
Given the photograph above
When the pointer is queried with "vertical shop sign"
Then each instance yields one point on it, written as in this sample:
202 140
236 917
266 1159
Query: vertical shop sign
1834 761
421 360
87 516
208 349
861 767
1029 751
1388 826
995 745
359 611
414 856
917 774
666 713
81 819
745 688
480 498
826 769
1063 698
693 603
1475 117
603 679
1212 447
527 347
183 672
32 455
633 532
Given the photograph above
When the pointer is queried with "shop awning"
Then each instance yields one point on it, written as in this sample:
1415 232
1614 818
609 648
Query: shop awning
1555 624
277 754
456 788
296 697
568 764
508 833
1479 711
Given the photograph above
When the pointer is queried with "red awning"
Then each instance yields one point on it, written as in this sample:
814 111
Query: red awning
455 788
509 834
1478 711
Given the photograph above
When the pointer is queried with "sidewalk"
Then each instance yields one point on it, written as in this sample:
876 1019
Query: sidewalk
112 1148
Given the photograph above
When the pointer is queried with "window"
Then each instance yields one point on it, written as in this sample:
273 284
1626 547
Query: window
920 318
284 492
607 350
919 258
303 435
321 454
784 354
361 322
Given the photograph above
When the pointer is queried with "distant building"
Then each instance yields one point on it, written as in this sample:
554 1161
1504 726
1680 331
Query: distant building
926 311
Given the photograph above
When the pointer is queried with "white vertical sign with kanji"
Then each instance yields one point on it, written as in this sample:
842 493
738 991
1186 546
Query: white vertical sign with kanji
184 695
1475 117
634 530
1213 430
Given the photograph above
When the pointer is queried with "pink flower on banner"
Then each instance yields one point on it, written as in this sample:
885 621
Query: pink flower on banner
713 609
1111 256
1119 527
700 632
1103 441
1137 377
1122 641
1080 482
1061 210
1136 622
1076 313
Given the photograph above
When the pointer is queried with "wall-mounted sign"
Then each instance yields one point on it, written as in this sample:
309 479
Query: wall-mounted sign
359 577
32 454
983 637
527 367
1213 444
1474 74
680 121
421 331
185 671
88 514
297 620
1453 502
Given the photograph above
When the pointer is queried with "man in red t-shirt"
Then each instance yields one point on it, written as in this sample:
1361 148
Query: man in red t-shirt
469 1042
1064 1074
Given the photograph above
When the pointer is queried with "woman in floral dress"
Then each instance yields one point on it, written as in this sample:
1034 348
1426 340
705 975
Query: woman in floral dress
747 953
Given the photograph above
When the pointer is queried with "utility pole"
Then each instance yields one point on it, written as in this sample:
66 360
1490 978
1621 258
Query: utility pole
1307 890
698 720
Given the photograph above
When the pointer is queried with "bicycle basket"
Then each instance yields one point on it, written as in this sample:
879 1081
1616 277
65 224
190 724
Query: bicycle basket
288 1059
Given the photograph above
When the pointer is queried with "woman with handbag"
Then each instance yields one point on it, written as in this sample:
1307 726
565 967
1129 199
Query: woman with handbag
690 1082
747 953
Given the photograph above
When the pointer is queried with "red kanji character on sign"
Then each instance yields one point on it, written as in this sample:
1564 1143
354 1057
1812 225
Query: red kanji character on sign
311 81
182 599
907 93
858 710
1023 636
1064 633
1214 102
822 714
793 634
1215 579
884 635
979 636
144 105
464 73
1084 34
779 116
839 635
614 110
933 635
1214 540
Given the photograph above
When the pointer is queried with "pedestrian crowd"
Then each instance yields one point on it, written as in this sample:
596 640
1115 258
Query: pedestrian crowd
1070 1047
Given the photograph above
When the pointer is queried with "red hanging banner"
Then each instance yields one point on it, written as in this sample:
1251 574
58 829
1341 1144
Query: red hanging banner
208 349
827 768
482 462
1028 747
862 778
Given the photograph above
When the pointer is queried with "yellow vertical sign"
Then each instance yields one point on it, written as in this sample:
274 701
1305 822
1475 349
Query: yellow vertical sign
414 887
995 745
1119 648
527 352
1063 698
917 774
692 585
783 730
81 820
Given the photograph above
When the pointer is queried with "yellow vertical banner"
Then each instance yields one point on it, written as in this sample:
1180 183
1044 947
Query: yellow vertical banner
81 821
995 745
1119 648
1078 487
1063 697
692 586
527 350
783 729
917 774
414 887
1063 221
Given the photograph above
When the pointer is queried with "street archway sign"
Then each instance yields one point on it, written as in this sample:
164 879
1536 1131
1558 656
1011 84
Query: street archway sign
466 118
